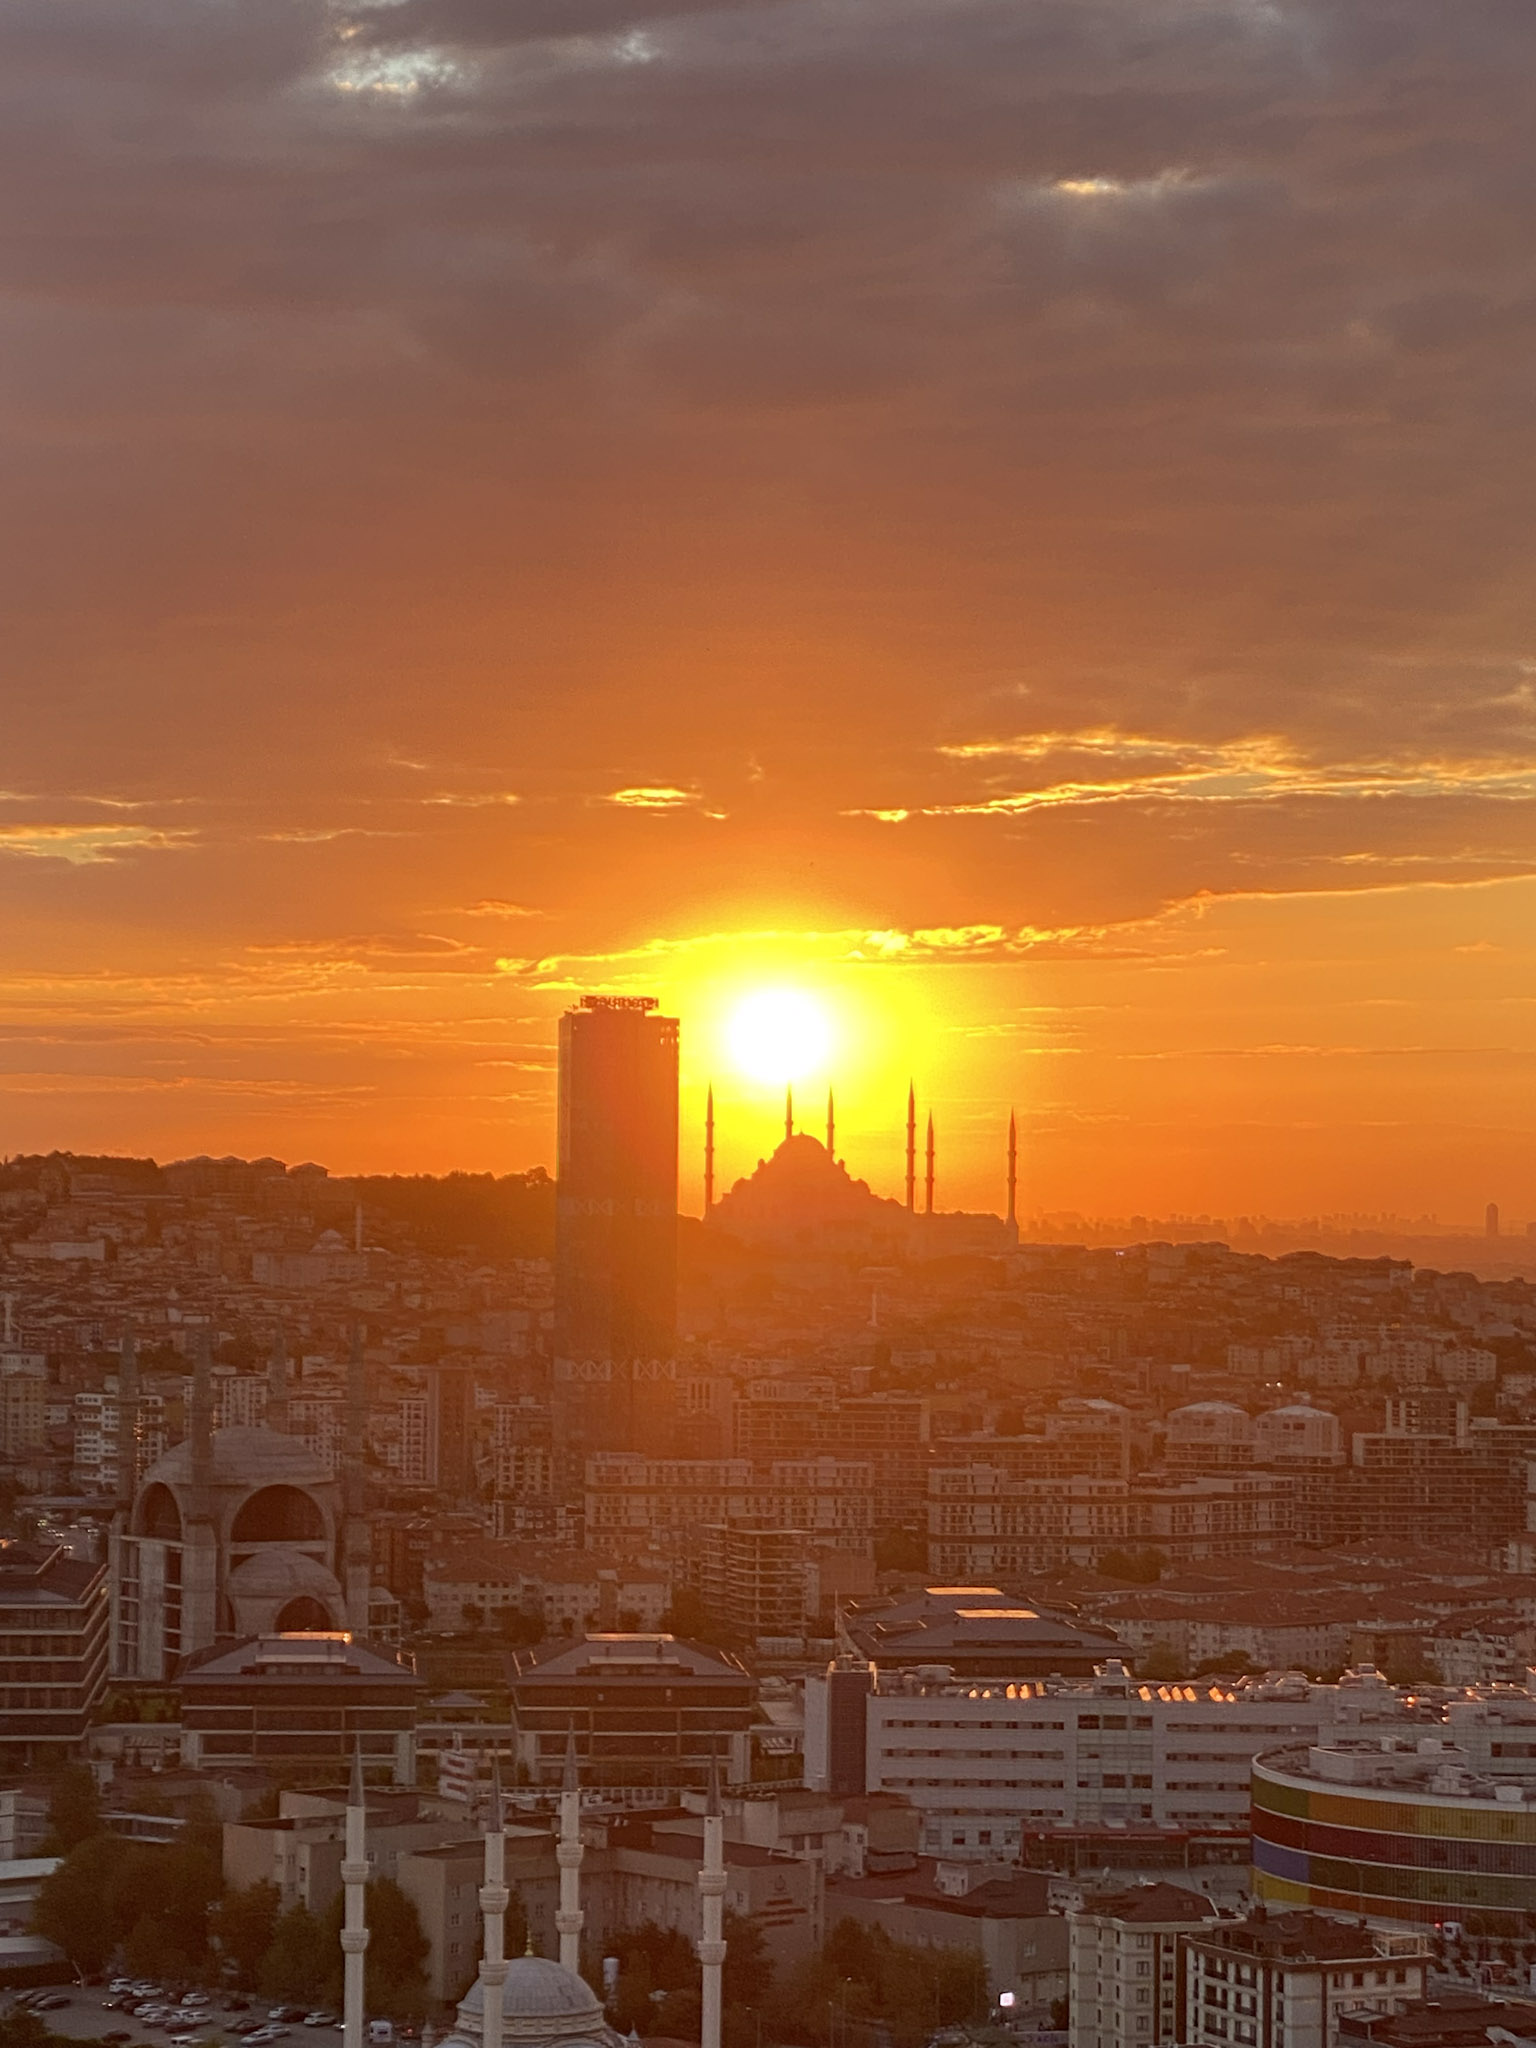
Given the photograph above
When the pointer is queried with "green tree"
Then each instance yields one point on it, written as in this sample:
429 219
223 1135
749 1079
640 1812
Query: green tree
1160 1662
69 1909
298 1963
863 1973
395 1977
74 1810
20 2028
244 1925
748 1973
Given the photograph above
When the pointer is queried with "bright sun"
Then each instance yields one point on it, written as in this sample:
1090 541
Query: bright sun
780 1034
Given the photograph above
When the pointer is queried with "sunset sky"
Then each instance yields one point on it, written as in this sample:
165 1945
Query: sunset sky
1011 518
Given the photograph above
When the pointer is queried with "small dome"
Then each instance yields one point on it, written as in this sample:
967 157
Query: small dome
245 1457
540 2002
281 1574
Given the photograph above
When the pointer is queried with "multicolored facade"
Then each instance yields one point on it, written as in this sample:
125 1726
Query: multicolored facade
1400 1851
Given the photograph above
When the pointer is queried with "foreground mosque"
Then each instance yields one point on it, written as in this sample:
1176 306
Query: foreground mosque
234 1532
530 2001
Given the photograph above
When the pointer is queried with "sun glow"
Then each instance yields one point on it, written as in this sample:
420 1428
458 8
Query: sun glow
780 1035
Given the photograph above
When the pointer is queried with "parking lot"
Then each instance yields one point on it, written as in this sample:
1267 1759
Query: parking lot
95 2012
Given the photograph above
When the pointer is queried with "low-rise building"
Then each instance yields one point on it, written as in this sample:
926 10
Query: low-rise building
1127 1977
1001 1914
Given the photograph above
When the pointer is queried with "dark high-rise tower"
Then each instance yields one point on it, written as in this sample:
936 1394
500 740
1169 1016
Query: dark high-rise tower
616 1209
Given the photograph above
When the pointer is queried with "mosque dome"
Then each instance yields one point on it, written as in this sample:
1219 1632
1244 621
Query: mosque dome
281 1573
541 2002
245 1457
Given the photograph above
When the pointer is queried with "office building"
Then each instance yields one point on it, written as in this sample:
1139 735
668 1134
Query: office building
1126 1969
991 1767
301 1703
54 1629
1289 1980
616 1213
1396 1830
649 1713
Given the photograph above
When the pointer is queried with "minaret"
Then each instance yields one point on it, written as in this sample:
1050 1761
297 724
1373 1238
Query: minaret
354 1926
928 1178
127 1420
200 1543
356 1542
789 1112
277 1384
124 1656
1012 1219
709 1149
493 1910
711 1913
568 1854
831 1127
911 1148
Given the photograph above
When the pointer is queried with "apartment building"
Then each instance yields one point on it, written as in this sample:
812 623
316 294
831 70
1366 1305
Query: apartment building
984 1524
1126 1976
1290 1980
632 1498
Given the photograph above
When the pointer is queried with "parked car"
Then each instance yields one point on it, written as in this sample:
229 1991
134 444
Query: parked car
320 2019
57 2000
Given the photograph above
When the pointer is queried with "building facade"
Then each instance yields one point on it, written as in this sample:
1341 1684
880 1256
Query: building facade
1402 1831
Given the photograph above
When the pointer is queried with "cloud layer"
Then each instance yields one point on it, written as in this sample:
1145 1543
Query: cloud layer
1001 476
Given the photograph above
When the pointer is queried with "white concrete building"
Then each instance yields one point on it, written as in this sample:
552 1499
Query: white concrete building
1125 1968
985 1764
1285 1980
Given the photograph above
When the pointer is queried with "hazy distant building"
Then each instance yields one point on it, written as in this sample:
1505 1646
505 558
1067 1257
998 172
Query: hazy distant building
236 1532
616 1211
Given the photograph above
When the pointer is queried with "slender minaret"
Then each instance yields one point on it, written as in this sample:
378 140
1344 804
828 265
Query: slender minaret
711 1913
1013 1177
277 1384
568 1854
911 1147
928 1177
831 1127
356 1540
354 1926
200 1541
789 1112
127 1420
493 1910
124 1654
709 1149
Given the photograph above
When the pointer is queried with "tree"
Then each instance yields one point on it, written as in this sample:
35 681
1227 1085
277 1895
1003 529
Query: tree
1140 1567
1160 1662
298 1963
74 1810
900 1550
863 1973
474 1616
20 2028
395 1974
747 1973
245 1925
69 1909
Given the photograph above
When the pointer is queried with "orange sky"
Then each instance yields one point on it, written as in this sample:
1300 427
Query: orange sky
1015 517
